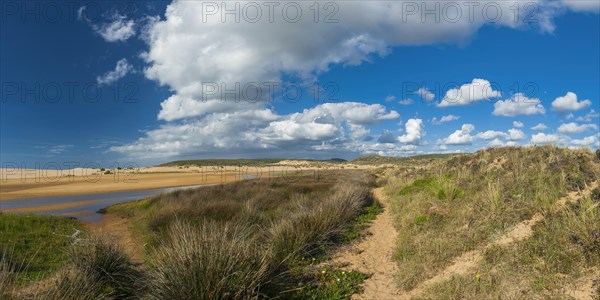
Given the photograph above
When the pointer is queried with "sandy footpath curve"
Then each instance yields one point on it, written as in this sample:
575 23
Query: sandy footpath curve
373 255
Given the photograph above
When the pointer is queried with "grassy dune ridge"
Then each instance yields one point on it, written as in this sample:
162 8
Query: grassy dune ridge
447 208
378 159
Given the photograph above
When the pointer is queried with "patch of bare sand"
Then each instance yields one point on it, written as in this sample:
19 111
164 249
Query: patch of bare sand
121 230
469 261
373 255
586 287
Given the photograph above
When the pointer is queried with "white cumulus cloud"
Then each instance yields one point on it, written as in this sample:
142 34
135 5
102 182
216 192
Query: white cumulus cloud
517 105
444 119
543 139
495 143
572 128
461 137
414 132
569 102
187 51
390 98
515 135
490 134
319 127
478 89
588 141
539 127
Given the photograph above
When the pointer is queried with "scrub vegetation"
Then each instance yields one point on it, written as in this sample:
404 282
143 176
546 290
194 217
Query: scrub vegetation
248 239
503 223
464 205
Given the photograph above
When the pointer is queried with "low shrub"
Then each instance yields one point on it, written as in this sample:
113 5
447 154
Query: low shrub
98 268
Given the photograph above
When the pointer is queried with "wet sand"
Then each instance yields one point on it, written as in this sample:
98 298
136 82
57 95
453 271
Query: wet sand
84 207
82 192
53 207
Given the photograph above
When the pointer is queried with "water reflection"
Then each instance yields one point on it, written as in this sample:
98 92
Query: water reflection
87 212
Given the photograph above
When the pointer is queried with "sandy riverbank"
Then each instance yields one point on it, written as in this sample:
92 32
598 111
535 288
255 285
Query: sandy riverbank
12 189
22 184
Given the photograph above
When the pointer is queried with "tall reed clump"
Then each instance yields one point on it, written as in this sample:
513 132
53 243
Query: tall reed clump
210 261
98 268
493 196
305 231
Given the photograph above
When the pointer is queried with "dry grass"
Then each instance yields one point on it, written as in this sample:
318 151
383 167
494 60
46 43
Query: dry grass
8 275
255 202
234 241
210 261
564 247
309 227
97 268
448 208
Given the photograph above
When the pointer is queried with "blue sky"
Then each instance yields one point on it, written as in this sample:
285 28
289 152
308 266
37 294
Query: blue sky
390 82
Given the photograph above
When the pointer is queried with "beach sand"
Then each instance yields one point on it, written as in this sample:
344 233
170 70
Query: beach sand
28 183
43 186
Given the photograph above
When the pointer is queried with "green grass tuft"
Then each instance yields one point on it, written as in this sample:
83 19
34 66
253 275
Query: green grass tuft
25 241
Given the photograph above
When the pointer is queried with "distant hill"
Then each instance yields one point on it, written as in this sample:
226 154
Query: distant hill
363 160
378 159
337 160
241 162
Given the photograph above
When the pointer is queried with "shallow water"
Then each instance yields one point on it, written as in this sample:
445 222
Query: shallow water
88 212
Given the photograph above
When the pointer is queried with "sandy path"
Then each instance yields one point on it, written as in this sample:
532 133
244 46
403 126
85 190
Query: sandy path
468 262
373 255
121 230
